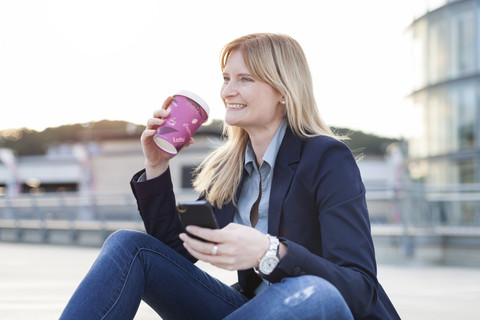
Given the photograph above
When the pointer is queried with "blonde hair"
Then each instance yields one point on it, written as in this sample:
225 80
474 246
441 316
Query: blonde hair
279 61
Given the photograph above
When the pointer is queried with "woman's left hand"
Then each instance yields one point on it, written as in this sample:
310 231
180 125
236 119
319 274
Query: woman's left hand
238 247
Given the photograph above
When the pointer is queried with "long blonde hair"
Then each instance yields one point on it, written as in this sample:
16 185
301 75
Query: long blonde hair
279 61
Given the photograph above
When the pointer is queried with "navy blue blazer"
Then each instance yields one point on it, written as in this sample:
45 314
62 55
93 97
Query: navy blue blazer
318 210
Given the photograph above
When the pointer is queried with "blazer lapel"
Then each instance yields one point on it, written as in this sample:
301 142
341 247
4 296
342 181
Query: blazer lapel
285 165
225 215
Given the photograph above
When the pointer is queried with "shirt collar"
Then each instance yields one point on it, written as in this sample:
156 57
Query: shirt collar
272 150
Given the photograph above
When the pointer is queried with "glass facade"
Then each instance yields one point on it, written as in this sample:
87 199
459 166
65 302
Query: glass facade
446 92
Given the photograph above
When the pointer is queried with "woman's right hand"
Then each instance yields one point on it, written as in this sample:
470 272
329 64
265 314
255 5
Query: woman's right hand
156 160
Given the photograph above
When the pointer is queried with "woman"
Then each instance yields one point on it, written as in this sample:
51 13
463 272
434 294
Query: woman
289 200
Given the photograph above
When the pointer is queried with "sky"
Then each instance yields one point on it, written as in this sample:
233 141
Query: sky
64 62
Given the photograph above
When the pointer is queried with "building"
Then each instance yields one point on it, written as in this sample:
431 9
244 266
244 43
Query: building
103 164
446 87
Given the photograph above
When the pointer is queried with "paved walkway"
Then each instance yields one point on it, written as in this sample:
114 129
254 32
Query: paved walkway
37 280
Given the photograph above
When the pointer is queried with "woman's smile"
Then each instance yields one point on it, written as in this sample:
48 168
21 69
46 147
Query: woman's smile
236 106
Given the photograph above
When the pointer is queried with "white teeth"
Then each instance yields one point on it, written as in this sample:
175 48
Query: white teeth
236 106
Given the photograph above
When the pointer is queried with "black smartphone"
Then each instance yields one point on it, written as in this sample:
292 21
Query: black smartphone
198 213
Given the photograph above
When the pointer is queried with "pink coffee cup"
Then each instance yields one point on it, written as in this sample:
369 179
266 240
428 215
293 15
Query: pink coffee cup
187 113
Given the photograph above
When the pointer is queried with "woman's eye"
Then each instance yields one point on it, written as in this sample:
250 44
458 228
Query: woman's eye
246 79
226 79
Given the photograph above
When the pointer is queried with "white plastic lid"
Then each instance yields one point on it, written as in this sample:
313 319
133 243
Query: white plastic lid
195 98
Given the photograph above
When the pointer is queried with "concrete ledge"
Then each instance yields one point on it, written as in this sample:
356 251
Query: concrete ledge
393 243
458 246
88 233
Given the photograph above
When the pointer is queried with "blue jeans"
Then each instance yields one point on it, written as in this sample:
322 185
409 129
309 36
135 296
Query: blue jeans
133 266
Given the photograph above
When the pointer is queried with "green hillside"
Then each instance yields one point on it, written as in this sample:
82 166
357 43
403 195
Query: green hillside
30 142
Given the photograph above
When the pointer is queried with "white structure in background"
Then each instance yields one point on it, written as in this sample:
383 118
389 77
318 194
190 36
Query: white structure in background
85 183
9 173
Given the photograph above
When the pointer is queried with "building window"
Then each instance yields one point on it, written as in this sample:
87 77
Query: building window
49 187
437 53
464 43
419 55
438 123
467 172
466 116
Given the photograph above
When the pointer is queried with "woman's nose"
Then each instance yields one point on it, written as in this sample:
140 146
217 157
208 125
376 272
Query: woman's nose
229 90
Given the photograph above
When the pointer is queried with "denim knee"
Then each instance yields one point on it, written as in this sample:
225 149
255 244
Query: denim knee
125 239
121 236
313 288
318 283
305 297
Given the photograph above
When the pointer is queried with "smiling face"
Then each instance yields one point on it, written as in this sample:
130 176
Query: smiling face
250 103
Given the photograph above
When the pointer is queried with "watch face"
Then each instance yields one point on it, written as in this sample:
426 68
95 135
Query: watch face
268 264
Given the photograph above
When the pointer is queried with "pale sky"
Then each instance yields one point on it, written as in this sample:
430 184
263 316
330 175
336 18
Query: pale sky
77 61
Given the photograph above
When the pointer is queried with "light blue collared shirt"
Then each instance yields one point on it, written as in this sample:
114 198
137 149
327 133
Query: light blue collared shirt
251 182
251 187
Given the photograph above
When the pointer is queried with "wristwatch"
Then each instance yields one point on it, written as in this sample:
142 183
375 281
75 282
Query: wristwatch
270 260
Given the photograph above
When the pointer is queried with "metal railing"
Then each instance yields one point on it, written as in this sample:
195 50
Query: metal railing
71 212
420 206
442 209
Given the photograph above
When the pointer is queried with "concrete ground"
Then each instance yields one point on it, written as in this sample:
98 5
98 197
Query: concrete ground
36 282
